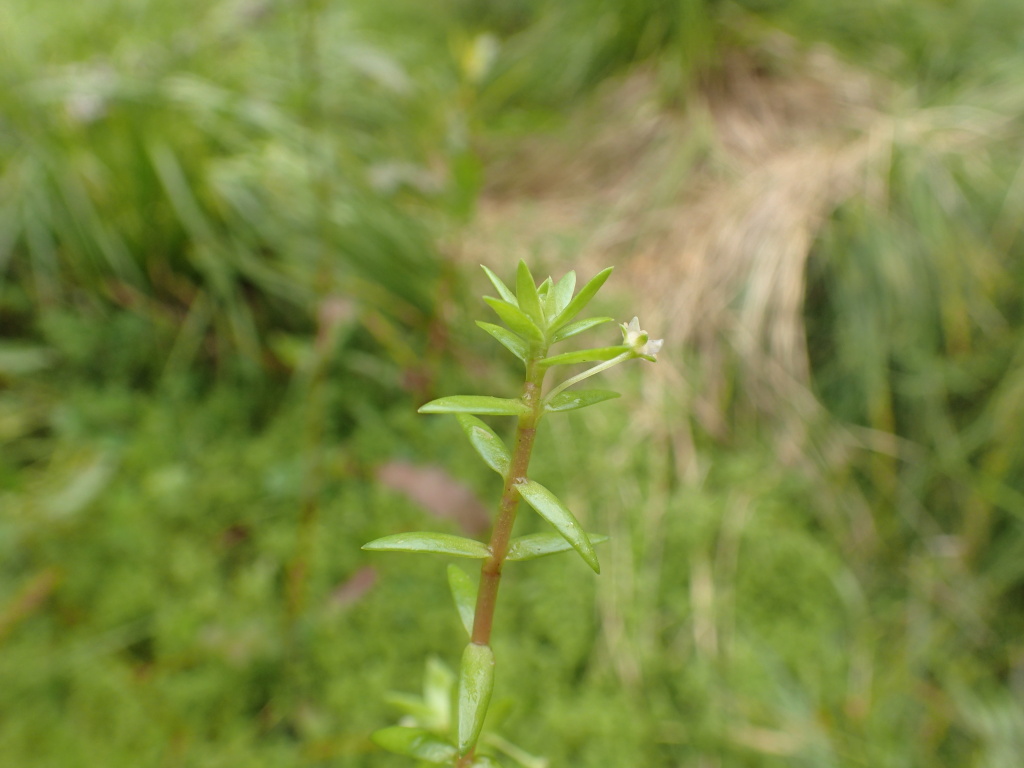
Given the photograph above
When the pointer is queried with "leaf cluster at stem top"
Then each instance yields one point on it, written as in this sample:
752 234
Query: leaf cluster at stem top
537 316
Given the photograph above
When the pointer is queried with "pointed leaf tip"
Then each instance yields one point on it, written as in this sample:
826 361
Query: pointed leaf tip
581 299
490 447
526 294
578 398
516 319
483 404
551 508
561 294
500 286
535 545
429 542
572 329
515 344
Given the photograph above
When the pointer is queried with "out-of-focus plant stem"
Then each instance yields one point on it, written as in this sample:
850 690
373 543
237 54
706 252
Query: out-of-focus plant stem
309 65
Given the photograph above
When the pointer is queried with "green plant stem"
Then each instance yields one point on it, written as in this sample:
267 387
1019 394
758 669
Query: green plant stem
490 571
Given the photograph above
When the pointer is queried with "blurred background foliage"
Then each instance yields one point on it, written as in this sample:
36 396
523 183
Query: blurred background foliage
235 244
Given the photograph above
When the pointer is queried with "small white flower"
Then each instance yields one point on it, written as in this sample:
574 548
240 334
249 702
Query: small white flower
639 341
637 345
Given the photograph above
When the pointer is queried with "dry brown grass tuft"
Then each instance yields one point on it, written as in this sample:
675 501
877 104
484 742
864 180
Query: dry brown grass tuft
711 214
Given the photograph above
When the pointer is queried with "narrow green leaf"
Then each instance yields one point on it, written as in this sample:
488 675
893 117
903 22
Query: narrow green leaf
428 542
464 594
521 757
490 447
536 545
408 704
415 742
438 682
551 508
570 330
578 398
513 343
489 406
547 303
561 295
581 299
500 287
545 288
476 681
515 319
585 356
526 293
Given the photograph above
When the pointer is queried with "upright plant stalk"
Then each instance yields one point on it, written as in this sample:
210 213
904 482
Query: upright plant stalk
535 318
490 571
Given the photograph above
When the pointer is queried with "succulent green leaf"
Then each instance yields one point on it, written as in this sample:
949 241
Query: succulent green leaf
491 448
476 681
489 406
429 542
438 682
415 742
432 710
526 293
570 330
517 320
464 594
578 398
536 545
408 704
585 356
551 508
581 299
513 343
500 287
560 296
545 288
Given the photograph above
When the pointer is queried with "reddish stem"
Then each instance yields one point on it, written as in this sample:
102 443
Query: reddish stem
490 572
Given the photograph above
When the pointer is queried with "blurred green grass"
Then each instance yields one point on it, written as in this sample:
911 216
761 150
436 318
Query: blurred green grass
231 264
